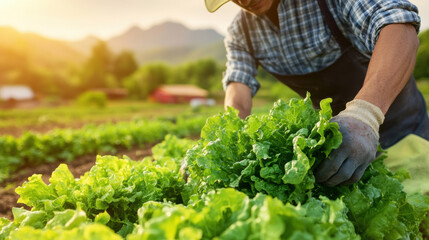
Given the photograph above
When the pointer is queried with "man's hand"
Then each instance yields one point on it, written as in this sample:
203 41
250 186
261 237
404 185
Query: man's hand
239 96
359 125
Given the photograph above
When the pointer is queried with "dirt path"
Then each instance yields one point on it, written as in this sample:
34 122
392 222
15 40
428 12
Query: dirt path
8 197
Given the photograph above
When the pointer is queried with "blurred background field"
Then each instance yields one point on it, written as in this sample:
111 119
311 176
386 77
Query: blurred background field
412 154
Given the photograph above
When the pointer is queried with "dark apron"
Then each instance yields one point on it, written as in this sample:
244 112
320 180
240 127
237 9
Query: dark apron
344 78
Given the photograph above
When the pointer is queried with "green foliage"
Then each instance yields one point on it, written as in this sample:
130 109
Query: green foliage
90 231
380 209
229 214
275 154
118 198
250 179
124 64
104 69
146 79
264 76
205 73
92 98
423 86
97 66
38 63
421 69
67 144
64 77
172 149
424 227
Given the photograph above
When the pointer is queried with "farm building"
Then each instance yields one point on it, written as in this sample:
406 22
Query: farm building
16 92
178 93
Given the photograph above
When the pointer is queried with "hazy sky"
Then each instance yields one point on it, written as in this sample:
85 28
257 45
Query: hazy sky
76 19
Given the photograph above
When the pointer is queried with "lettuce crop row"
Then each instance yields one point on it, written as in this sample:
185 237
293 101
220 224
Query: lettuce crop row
67 144
248 179
109 194
276 155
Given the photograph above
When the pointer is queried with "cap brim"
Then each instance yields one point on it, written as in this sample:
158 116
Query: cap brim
213 5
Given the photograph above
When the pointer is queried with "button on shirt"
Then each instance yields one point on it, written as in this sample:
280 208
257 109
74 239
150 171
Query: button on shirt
303 43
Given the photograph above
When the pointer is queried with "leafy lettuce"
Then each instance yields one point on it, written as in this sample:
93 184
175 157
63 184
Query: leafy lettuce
271 154
249 179
229 214
114 187
275 154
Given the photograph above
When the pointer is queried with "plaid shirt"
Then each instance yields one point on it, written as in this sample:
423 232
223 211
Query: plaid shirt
303 43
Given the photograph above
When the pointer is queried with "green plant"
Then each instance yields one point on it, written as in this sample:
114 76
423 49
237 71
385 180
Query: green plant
67 144
92 98
249 179
276 153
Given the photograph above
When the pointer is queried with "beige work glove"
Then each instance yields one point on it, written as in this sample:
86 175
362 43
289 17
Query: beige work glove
359 124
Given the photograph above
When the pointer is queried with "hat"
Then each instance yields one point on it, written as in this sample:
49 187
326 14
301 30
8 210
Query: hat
213 5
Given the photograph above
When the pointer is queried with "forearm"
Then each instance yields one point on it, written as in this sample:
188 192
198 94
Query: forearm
239 96
391 65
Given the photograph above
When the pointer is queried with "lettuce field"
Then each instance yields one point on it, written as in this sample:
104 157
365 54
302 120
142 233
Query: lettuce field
245 179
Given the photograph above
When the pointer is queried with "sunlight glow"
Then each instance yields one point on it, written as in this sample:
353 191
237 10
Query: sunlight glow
76 19
5 3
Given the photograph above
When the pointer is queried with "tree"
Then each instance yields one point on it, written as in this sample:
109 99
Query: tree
146 79
421 69
204 73
124 64
98 66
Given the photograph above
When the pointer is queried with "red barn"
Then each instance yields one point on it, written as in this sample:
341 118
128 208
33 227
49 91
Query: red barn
178 93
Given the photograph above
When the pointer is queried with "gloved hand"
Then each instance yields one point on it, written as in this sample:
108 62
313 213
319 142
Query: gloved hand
359 124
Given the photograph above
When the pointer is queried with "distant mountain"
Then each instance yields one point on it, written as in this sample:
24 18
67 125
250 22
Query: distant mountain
85 45
165 35
170 42
179 55
215 50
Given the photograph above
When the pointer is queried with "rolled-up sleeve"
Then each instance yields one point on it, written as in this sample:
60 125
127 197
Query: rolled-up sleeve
241 66
368 17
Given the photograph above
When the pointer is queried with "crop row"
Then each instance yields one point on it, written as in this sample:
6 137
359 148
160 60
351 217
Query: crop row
67 144
246 179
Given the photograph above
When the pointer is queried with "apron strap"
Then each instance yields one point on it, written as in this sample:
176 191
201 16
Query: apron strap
335 30
246 32
247 35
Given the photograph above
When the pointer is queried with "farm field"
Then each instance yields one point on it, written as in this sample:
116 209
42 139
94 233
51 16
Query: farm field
28 120
80 165
148 199
89 152
44 118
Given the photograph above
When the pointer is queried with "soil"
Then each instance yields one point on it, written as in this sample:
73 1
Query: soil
8 197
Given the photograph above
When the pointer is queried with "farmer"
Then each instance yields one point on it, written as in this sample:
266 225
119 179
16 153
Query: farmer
360 53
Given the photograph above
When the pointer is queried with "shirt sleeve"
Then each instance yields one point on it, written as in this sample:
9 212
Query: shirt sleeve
241 66
368 17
